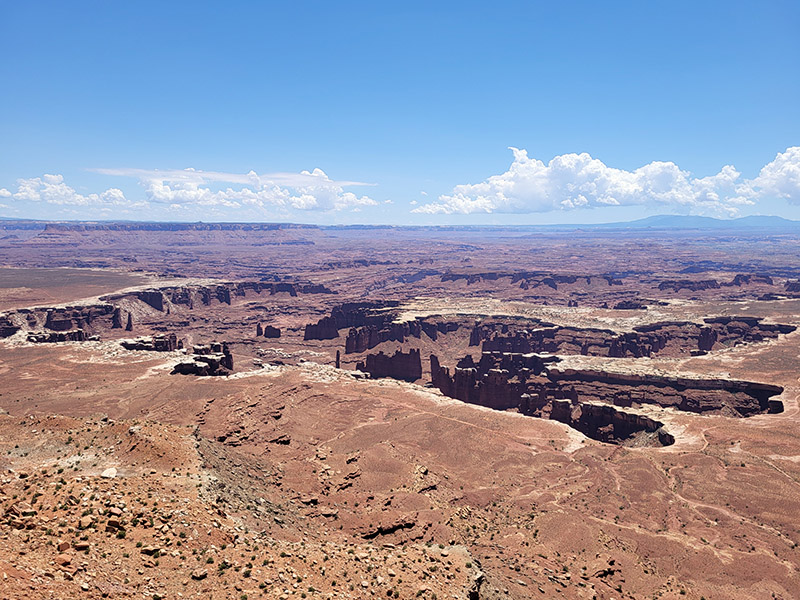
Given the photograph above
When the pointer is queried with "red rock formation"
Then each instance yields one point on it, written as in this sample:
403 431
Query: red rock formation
791 286
324 329
271 332
608 424
678 338
156 343
517 381
154 298
630 305
7 327
677 285
401 365
223 293
212 359
365 338
350 314
49 337
528 382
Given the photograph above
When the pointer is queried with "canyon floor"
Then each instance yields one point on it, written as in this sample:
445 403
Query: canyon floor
276 411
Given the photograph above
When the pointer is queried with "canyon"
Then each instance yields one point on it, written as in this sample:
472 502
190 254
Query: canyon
479 413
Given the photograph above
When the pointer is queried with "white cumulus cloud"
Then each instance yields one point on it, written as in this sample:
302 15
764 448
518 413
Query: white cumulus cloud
51 189
307 190
780 178
573 181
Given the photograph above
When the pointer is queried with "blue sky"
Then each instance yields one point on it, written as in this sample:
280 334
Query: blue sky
262 111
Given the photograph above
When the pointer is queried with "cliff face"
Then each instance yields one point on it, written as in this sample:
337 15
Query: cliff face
349 314
8 327
365 338
156 343
324 329
224 293
717 396
406 366
529 279
87 318
74 335
610 425
212 359
678 338
588 400
500 380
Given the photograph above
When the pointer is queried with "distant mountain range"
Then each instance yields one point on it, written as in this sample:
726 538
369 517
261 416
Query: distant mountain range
694 222
654 222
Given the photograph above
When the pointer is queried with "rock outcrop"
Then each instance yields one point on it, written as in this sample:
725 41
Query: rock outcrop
49 337
190 296
508 381
350 314
678 338
361 339
692 285
607 424
271 332
529 382
406 366
7 327
324 329
156 343
267 331
630 305
212 359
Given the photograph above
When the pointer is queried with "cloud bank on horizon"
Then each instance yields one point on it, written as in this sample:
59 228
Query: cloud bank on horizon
191 189
573 181
568 182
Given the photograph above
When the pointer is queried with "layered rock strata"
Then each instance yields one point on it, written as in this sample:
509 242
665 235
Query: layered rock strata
537 385
676 338
406 366
49 337
156 343
212 359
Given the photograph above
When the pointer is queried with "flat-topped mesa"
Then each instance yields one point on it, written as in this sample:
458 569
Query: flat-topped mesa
529 279
222 293
694 285
360 339
529 382
350 314
791 286
406 366
156 343
50 337
267 331
91 318
630 304
324 329
77 317
672 338
212 359
271 332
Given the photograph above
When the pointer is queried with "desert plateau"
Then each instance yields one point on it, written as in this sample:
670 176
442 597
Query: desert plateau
279 411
